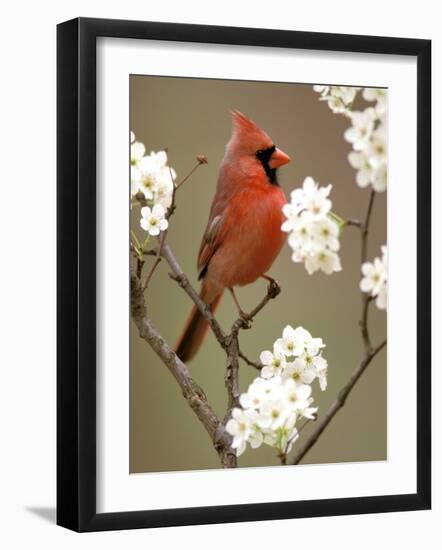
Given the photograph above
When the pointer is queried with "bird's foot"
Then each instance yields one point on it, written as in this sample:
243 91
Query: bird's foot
273 289
246 319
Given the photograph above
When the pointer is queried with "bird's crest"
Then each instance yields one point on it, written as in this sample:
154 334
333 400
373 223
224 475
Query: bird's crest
248 132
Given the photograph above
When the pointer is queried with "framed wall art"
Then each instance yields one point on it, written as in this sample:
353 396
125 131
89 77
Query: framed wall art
243 274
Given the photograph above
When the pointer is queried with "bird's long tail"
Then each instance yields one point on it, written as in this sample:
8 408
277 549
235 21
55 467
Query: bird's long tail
196 326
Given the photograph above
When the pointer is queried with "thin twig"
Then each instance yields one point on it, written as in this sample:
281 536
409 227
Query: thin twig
365 227
273 290
337 405
304 424
283 456
366 298
157 261
249 362
363 322
140 265
183 281
201 159
353 223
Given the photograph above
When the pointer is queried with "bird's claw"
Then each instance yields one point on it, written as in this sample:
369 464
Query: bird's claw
246 320
273 289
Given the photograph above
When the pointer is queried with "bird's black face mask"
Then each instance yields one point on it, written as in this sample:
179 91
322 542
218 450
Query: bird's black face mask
264 156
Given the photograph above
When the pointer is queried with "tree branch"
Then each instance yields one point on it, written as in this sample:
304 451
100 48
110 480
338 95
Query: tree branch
365 227
201 159
369 352
366 298
233 350
179 276
249 362
273 290
229 342
337 405
192 392
157 261
231 378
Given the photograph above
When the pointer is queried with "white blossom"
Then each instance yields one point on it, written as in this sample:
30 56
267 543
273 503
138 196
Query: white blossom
274 413
311 201
338 98
374 280
360 161
360 133
326 234
260 390
323 260
379 179
296 396
137 151
321 366
150 175
242 426
374 276
376 94
301 236
299 372
292 341
382 297
153 220
367 133
321 89
313 232
282 394
273 363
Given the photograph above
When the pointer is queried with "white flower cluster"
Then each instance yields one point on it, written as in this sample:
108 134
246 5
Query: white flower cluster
367 133
338 98
314 234
152 180
374 279
368 136
281 395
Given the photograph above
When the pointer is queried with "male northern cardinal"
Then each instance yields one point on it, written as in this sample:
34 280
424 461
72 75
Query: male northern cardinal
243 235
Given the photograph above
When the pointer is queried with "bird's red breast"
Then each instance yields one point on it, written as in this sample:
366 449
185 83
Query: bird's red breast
250 236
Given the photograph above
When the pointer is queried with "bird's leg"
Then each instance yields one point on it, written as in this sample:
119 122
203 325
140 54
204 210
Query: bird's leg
245 316
273 289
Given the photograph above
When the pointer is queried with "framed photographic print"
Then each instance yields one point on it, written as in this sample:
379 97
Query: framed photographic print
243 274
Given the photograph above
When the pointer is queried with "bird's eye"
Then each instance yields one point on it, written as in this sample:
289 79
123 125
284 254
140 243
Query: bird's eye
265 154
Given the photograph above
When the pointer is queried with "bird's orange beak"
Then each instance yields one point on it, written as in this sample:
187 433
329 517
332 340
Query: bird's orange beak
279 158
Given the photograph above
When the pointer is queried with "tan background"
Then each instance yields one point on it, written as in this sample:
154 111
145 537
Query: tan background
190 117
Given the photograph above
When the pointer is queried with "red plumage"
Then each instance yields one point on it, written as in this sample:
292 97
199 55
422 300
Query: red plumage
243 235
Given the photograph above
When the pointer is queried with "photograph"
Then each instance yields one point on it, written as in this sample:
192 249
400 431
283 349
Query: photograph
258 273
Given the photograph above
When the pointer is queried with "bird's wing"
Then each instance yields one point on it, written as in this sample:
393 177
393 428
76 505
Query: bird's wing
212 239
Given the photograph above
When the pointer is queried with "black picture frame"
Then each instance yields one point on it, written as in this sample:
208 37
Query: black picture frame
76 273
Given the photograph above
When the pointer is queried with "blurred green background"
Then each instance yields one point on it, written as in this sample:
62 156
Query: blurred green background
190 117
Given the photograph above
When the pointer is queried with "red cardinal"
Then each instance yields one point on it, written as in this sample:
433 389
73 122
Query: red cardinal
243 235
